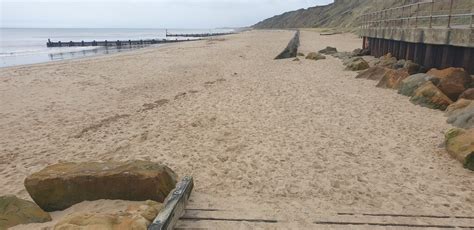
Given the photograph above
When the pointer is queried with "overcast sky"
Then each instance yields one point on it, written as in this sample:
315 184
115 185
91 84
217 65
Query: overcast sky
143 13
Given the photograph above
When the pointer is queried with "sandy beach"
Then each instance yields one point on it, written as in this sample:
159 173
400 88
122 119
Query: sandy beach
279 139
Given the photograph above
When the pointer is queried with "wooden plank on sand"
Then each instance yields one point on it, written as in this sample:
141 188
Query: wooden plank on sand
175 203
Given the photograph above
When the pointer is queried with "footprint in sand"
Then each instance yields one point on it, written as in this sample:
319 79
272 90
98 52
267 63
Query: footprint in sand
154 105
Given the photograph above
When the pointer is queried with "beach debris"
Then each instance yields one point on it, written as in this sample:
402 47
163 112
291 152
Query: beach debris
59 186
413 82
356 64
373 73
315 56
452 81
300 55
328 50
428 95
291 49
137 217
461 114
296 59
393 79
15 211
174 205
460 144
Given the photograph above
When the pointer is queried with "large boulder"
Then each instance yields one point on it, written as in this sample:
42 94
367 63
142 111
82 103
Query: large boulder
399 64
315 56
361 52
452 81
461 114
460 144
393 79
428 95
468 94
15 211
356 64
387 61
373 73
412 67
59 186
136 217
411 83
328 50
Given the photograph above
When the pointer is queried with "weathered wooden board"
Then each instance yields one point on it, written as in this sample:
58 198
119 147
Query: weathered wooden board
175 205
292 49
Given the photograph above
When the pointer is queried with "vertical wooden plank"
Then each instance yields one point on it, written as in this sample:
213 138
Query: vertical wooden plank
410 51
468 60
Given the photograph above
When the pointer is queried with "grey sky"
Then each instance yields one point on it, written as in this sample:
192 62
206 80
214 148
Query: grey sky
143 13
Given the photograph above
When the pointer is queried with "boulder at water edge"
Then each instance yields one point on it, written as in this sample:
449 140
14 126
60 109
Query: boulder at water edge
15 211
315 56
460 144
452 81
461 114
411 83
59 186
373 73
393 79
136 217
428 95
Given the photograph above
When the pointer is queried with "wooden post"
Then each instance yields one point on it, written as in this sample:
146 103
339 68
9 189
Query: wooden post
410 55
174 206
450 13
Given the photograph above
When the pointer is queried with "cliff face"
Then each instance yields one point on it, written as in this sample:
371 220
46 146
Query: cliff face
341 13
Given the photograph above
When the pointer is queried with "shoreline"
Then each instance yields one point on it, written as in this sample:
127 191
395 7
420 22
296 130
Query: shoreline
277 138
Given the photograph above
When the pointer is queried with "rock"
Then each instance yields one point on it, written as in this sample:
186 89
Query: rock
296 59
412 67
137 217
361 52
428 95
357 64
452 81
59 186
15 211
468 94
460 144
411 83
342 55
300 54
393 79
328 50
461 114
387 61
399 64
315 56
373 73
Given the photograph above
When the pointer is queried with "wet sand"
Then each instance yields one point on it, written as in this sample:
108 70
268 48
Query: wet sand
278 139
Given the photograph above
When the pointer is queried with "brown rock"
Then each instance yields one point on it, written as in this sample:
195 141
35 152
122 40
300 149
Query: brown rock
374 73
59 186
387 61
357 64
458 105
136 217
393 78
452 81
461 114
412 67
428 95
468 94
15 211
460 144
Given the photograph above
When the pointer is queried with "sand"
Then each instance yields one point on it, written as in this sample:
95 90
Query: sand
282 139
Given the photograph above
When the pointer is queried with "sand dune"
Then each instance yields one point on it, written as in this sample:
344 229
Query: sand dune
280 138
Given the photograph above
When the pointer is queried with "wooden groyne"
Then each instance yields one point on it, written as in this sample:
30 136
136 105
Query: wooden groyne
198 35
117 43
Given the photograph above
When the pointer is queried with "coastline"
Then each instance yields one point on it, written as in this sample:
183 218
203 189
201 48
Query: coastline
281 138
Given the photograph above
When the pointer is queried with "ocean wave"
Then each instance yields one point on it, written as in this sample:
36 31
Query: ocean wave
42 50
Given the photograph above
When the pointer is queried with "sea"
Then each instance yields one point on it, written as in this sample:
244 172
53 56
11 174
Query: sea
21 46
